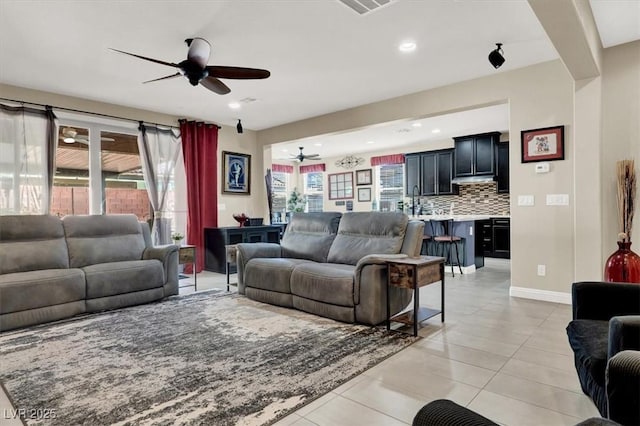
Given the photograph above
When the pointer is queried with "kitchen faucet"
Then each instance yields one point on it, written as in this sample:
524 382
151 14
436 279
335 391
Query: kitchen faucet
413 199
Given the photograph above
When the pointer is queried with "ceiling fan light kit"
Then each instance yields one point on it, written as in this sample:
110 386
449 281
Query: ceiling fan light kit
197 72
496 57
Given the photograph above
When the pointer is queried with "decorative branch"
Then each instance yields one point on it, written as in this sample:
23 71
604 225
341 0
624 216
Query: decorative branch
626 198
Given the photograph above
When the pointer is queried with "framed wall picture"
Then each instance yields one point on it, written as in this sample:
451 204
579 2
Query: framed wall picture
236 173
545 144
364 194
341 186
363 177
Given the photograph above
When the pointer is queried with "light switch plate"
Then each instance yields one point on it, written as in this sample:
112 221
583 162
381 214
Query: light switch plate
526 200
557 199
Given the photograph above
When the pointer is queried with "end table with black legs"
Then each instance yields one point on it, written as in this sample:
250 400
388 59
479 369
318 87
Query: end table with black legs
413 273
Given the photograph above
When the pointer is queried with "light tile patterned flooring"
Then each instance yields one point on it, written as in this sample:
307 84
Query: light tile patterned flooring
506 358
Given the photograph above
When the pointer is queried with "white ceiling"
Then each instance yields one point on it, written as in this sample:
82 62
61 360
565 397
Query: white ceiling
323 56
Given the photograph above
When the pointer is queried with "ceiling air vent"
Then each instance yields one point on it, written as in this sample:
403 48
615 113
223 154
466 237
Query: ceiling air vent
365 6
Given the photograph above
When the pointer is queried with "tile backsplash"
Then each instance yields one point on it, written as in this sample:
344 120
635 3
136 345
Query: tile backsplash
478 198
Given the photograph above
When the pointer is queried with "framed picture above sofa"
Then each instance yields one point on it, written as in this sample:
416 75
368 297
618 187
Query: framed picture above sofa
341 186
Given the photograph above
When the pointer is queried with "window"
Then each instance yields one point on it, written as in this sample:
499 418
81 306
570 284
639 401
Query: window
313 190
391 186
280 191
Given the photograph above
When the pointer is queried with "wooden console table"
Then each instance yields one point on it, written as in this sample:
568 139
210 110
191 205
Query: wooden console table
413 273
187 254
216 240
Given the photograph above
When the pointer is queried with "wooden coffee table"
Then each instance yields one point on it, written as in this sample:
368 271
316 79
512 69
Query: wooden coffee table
413 273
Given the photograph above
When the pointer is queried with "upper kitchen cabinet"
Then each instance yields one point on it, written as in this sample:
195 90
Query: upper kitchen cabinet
431 171
475 154
502 167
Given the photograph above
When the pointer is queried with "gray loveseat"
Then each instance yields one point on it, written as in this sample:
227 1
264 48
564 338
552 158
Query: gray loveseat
332 265
53 268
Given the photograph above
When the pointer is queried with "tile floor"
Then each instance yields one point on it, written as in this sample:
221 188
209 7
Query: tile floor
506 358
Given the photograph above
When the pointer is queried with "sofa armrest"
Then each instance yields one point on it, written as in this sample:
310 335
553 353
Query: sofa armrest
248 251
168 255
624 334
623 393
603 300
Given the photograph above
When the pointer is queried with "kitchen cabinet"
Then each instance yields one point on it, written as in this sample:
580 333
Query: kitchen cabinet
475 154
502 168
215 240
495 234
431 171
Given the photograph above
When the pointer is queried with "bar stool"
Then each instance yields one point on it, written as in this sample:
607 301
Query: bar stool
442 231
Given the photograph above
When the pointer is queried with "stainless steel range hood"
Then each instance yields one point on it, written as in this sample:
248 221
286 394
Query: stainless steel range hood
472 180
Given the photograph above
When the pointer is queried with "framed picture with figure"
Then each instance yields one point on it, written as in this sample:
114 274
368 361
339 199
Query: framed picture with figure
545 144
236 173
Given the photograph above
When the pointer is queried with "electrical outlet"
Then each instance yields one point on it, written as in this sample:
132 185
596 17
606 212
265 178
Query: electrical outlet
542 270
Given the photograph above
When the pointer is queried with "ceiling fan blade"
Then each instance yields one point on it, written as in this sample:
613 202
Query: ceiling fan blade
157 61
215 85
311 155
163 78
238 73
199 51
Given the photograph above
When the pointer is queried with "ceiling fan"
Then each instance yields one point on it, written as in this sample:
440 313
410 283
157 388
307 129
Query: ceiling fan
301 157
70 135
196 70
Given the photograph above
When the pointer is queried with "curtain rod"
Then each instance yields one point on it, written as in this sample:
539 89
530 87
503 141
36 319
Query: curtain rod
90 113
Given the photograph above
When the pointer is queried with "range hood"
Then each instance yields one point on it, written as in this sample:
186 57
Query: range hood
472 180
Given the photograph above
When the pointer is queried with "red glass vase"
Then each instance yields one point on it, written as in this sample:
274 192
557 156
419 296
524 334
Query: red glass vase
623 266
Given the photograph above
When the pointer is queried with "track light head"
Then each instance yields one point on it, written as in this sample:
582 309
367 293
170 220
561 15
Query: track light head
239 126
495 57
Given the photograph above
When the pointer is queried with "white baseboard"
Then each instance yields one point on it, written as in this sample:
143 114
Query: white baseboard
546 295
465 269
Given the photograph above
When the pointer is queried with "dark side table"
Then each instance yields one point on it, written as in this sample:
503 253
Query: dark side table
413 273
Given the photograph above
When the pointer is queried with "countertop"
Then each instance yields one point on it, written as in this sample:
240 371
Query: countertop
459 217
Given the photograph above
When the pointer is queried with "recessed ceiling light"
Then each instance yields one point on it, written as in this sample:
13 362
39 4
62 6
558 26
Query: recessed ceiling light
370 142
285 150
417 124
435 131
404 130
407 46
317 144
234 105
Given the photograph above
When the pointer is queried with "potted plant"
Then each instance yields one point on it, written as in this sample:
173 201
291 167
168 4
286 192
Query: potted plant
296 202
177 237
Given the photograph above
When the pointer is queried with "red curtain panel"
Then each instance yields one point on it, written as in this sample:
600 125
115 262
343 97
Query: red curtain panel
199 149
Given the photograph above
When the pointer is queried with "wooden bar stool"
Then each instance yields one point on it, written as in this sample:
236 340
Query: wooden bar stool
442 231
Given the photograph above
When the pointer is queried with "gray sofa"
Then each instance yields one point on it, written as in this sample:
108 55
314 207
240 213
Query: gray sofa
53 268
332 265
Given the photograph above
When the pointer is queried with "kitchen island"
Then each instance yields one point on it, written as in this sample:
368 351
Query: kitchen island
464 226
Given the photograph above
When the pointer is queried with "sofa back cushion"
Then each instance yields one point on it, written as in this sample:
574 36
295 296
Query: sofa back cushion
103 238
31 243
310 235
364 233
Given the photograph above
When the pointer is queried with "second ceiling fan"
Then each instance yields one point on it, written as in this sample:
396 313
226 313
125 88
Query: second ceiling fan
301 157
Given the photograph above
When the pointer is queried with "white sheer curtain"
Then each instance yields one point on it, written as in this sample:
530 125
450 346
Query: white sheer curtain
160 149
27 159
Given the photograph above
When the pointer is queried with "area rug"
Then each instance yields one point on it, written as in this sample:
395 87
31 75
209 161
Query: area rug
201 359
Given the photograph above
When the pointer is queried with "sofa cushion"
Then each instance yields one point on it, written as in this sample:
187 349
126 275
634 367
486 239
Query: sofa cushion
310 235
272 273
364 233
36 289
98 239
107 279
324 282
29 243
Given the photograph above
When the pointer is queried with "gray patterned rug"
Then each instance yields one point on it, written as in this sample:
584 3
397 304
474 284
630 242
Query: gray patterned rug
205 359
